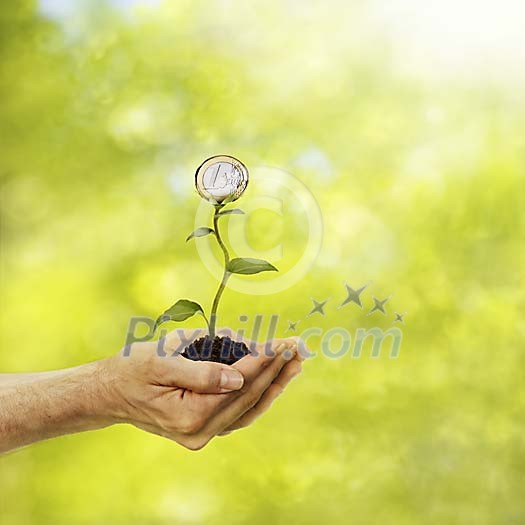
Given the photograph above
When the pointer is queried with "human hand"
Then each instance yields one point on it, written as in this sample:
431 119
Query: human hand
192 402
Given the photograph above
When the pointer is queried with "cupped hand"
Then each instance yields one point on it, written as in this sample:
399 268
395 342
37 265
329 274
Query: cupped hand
190 402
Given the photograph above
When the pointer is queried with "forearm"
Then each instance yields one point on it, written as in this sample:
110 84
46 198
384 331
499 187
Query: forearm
48 404
17 379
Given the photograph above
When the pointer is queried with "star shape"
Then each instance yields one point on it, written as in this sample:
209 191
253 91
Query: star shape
292 327
399 318
318 307
379 306
353 296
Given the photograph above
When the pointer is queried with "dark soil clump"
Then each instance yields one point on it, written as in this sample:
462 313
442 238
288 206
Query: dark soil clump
220 350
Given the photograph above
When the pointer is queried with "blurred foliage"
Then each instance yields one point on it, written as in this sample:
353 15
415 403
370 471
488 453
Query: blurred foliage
105 115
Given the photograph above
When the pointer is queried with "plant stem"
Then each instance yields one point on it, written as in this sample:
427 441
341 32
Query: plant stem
225 276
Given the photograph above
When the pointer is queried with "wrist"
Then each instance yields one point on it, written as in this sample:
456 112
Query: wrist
102 402
88 388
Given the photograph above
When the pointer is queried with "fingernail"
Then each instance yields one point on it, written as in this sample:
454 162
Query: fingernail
281 347
290 352
287 355
231 379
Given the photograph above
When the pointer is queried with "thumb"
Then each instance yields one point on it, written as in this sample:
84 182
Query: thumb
203 377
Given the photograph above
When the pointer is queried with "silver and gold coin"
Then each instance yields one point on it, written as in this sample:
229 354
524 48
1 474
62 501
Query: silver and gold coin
221 179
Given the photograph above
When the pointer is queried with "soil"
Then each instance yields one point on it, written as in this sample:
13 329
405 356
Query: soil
221 350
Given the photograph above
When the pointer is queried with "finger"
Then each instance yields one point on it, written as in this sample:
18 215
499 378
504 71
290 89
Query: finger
251 367
291 342
263 354
250 395
203 377
266 401
290 370
302 351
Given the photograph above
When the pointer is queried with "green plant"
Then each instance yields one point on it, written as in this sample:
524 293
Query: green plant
184 309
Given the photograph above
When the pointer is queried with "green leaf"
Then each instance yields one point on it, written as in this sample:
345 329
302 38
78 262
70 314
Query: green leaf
200 232
234 211
246 266
180 311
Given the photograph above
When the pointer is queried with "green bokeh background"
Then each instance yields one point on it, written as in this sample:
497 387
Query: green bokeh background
105 113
